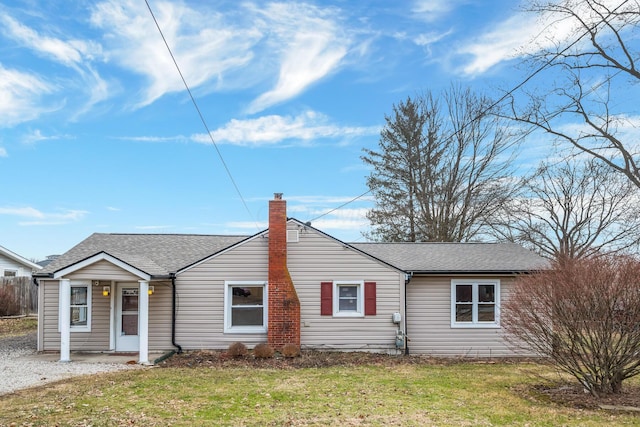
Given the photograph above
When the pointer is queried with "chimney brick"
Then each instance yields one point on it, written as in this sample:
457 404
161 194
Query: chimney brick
284 305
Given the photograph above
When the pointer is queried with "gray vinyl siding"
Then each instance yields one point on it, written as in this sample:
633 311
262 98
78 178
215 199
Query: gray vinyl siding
200 296
160 317
314 259
95 340
429 322
105 271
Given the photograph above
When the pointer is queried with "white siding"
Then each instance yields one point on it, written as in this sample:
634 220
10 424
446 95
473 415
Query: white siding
429 322
7 263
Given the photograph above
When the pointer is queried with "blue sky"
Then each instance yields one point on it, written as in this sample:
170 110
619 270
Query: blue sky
97 132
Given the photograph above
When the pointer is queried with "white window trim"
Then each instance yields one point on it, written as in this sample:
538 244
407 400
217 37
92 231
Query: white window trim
475 323
87 327
336 298
228 328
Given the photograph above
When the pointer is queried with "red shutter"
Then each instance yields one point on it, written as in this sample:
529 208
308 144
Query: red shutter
369 298
326 298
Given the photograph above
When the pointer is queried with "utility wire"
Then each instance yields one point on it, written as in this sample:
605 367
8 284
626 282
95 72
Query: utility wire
202 119
505 96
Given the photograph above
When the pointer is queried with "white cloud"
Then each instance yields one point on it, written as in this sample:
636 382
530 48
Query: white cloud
3 152
21 96
311 45
70 52
525 33
432 10
41 218
269 130
204 46
153 227
36 136
75 54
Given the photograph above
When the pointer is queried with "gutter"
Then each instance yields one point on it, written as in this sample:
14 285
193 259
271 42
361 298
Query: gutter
173 313
406 322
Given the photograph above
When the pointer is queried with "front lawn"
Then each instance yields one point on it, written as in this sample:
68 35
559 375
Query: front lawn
358 394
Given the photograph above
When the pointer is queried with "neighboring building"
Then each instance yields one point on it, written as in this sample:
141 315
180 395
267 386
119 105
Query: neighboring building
291 283
13 265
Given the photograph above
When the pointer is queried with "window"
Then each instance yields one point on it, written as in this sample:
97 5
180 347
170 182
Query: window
348 298
80 307
474 303
245 307
10 273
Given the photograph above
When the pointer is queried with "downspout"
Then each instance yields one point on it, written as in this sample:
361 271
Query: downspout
406 321
173 313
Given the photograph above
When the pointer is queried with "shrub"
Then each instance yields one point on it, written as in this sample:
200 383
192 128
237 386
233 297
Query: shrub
237 349
9 305
583 315
290 350
263 351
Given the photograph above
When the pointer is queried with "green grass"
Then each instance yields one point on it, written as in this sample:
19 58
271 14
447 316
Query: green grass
464 394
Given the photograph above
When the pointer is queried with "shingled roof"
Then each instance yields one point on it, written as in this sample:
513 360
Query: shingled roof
155 254
455 257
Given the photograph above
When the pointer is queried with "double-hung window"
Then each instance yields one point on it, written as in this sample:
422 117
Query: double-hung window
245 307
348 299
80 306
475 303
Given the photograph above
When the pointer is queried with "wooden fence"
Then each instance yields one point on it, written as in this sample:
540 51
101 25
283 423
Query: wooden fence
18 296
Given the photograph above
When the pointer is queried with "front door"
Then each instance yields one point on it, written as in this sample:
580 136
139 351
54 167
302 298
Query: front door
127 318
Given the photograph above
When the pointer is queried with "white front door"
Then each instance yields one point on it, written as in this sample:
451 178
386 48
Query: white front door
127 317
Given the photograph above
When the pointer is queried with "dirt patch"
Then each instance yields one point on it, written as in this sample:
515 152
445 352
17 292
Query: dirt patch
574 396
564 394
14 326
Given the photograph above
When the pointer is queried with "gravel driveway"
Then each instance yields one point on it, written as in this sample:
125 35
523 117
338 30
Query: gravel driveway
21 367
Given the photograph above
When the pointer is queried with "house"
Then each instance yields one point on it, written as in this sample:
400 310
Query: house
13 265
290 283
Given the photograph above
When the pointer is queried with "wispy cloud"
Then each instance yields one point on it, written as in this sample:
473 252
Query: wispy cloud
34 216
310 43
76 54
21 96
432 10
36 136
269 130
3 152
153 227
204 45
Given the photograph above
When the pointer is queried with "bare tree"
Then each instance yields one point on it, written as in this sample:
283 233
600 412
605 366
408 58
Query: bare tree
592 106
441 169
582 316
575 209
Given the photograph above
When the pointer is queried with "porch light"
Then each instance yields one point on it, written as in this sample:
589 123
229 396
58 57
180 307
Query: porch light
151 290
106 290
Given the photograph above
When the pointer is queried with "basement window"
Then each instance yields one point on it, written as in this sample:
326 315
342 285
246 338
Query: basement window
245 309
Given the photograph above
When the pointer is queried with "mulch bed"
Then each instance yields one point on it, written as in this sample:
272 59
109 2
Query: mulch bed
566 394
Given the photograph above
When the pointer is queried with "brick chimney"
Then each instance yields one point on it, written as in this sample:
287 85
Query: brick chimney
284 305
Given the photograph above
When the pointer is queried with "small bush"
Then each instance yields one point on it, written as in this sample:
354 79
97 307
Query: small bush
290 350
237 349
263 351
9 305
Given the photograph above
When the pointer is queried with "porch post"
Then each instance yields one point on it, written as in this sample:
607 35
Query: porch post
64 316
143 322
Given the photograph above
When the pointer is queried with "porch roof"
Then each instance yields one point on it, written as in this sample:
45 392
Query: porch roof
155 254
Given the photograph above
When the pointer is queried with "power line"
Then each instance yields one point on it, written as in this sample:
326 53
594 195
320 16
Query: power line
505 96
202 119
